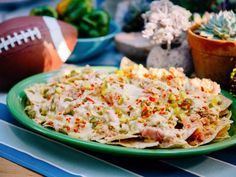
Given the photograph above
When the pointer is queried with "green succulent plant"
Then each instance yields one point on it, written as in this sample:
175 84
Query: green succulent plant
219 26
233 82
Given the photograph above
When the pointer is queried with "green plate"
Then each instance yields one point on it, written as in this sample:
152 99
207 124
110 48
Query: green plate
16 100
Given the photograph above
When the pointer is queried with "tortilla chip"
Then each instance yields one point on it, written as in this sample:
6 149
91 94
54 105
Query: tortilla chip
98 138
126 62
48 124
225 102
34 97
117 138
223 134
226 114
121 137
188 132
222 128
179 143
229 115
136 143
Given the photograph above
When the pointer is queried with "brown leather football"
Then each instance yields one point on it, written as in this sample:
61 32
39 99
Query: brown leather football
31 45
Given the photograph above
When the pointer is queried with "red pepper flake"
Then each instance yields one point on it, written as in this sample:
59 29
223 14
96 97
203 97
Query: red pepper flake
177 97
82 125
92 85
145 112
169 77
49 97
68 128
81 92
147 75
91 100
152 99
145 124
98 108
162 112
162 109
138 101
145 109
68 119
129 107
88 114
50 123
76 130
147 115
111 99
188 125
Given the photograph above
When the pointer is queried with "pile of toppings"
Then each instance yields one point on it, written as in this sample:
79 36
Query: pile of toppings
132 107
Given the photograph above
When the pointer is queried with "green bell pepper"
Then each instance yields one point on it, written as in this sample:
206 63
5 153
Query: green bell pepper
94 24
72 11
44 11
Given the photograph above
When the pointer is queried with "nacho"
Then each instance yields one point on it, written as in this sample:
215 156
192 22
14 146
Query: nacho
133 107
225 103
136 143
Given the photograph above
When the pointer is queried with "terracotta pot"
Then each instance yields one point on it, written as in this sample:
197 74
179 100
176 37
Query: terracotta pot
214 59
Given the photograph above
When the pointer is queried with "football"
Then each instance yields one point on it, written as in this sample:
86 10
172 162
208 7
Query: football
31 45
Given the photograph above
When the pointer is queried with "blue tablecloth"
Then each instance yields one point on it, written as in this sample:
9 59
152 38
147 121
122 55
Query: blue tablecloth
52 158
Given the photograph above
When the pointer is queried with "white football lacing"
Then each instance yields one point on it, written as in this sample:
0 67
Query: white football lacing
19 38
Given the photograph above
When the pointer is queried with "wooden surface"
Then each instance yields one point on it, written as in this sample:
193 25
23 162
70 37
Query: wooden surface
9 169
